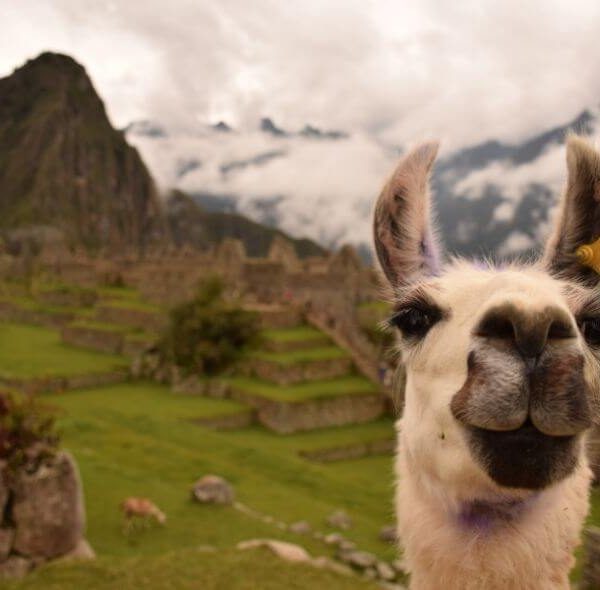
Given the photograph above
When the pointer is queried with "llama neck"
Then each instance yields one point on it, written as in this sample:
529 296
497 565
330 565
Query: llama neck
524 543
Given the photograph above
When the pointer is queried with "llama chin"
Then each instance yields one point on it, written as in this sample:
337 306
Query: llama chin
502 386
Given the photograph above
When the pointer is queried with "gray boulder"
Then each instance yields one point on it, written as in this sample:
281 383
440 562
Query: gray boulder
47 509
334 539
339 520
15 567
283 550
358 559
212 489
6 541
385 571
300 528
81 552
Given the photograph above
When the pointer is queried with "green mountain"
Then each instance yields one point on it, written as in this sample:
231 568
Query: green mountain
62 163
190 224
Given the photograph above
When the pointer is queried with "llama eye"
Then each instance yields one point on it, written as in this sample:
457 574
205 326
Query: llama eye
415 322
590 328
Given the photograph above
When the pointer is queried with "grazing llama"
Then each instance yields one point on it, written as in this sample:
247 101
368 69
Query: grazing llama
502 383
141 510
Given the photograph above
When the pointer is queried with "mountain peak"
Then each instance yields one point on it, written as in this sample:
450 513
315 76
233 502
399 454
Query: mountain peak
61 160
222 126
268 126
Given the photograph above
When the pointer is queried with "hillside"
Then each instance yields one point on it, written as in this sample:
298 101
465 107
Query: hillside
191 224
63 164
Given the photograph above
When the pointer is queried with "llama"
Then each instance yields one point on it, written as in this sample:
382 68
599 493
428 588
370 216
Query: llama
140 509
502 385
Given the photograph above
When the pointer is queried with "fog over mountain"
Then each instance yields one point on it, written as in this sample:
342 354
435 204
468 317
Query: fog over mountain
491 198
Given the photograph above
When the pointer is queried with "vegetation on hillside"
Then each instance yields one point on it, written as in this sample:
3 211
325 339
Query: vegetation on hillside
27 432
208 334
190 223
62 164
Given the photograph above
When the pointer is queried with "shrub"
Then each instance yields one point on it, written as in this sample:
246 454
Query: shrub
27 432
208 334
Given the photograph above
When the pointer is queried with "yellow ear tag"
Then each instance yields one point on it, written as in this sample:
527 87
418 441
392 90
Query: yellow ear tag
589 255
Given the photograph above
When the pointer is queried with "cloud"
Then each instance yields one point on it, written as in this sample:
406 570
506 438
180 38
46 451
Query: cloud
463 71
323 189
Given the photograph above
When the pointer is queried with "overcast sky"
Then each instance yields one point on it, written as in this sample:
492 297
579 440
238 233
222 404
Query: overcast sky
463 71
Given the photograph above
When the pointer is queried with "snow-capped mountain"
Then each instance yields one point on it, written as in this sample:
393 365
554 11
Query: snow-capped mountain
492 198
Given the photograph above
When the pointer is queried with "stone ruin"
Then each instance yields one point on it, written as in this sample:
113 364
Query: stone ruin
43 516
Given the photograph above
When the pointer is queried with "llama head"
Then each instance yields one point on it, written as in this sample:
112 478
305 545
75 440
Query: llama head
502 368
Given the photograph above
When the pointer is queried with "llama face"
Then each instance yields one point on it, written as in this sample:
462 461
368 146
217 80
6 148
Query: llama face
499 368
502 364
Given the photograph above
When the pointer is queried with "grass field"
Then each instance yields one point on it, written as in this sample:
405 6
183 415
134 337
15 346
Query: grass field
190 569
137 439
33 351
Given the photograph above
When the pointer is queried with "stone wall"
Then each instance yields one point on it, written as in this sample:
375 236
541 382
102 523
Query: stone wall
36 385
286 417
289 374
43 515
13 312
136 318
109 341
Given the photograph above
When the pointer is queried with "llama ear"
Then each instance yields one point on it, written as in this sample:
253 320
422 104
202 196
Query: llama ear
578 222
404 238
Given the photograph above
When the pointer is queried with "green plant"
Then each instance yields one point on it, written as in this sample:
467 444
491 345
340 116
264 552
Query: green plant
209 333
27 432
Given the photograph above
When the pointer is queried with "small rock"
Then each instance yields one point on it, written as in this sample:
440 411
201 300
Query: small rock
82 552
346 545
283 550
15 567
385 571
212 489
388 534
339 520
370 573
323 562
6 540
358 559
300 528
334 539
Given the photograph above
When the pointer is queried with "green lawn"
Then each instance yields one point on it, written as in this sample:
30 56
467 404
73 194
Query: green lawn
348 385
135 440
190 569
300 356
33 351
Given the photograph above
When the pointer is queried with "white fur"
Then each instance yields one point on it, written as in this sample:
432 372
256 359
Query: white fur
437 473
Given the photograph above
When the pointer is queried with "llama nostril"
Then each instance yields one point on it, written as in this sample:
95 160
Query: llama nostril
528 330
